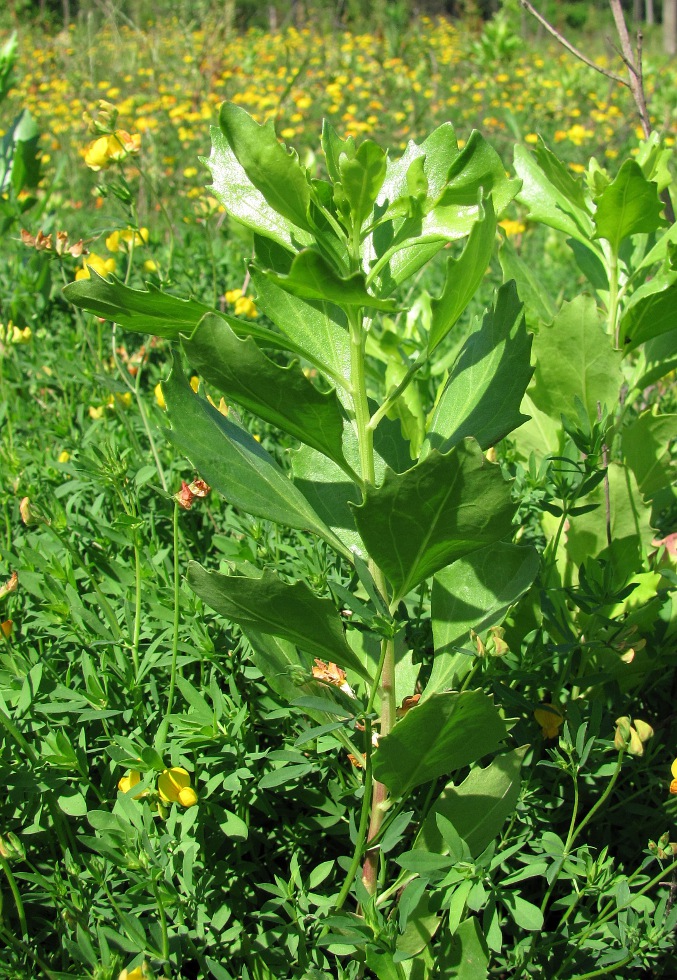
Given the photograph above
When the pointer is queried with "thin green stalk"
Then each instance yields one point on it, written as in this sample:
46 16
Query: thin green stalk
162 733
163 924
136 632
16 895
363 827
611 968
601 801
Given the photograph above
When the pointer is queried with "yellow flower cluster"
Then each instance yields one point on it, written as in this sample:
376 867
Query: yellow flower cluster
11 334
242 305
114 148
103 267
173 786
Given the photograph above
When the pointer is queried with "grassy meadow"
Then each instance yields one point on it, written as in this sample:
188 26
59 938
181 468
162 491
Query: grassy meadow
228 857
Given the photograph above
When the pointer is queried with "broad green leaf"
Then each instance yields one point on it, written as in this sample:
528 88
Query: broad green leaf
276 173
144 311
380 963
161 314
234 463
282 396
463 276
320 329
629 519
422 924
284 668
329 492
657 358
269 605
437 737
541 435
467 955
646 445
438 151
478 166
478 807
241 199
575 357
560 176
445 507
475 593
362 176
654 157
488 380
630 205
312 278
537 301
650 311
547 203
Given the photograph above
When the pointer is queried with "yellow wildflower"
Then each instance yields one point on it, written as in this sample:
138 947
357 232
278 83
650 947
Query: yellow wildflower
511 227
550 718
132 778
244 306
174 787
111 149
150 265
159 397
122 239
195 383
95 412
232 295
673 770
102 267
64 456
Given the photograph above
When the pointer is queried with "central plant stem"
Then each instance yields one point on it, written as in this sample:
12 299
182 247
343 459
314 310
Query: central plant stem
384 682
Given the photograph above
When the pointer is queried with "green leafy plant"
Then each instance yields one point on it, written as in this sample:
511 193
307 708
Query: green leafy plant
388 490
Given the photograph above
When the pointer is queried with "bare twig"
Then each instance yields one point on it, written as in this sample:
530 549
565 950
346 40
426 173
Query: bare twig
569 46
634 66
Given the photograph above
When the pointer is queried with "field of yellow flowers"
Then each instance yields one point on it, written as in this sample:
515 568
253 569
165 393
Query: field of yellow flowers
168 83
170 812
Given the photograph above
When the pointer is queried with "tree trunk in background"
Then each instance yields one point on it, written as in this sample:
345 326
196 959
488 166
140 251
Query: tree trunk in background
650 13
670 26
636 11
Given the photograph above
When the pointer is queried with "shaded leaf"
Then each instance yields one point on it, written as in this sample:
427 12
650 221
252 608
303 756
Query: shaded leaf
575 357
488 380
320 329
647 451
269 605
233 462
478 807
312 278
466 957
538 303
475 593
650 311
463 276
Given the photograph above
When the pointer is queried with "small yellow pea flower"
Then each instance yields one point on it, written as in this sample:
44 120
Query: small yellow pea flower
150 266
174 787
95 412
159 397
673 770
232 295
132 778
103 267
138 973
244 306
195 383
550 718
64 456
117 146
